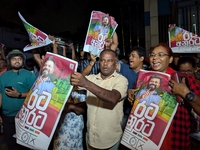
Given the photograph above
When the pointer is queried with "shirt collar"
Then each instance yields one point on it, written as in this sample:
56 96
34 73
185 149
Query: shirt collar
112 75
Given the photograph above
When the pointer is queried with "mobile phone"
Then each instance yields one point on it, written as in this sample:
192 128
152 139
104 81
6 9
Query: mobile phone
181 76
8 87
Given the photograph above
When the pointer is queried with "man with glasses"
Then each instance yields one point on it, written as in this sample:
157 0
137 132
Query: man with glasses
14 87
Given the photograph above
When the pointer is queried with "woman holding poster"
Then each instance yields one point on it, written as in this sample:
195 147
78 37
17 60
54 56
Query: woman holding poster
160 58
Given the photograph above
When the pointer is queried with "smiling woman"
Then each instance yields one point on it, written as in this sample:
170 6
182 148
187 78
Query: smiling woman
160 58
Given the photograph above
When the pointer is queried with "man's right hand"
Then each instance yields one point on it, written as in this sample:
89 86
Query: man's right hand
77 79
131 93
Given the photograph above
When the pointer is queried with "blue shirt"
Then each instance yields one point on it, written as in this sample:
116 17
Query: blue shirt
131 76
22 81
44 86
151 98
104 31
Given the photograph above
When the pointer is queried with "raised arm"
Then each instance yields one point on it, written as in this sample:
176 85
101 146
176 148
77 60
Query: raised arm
54 45
112 43
73 51
88 68
37 57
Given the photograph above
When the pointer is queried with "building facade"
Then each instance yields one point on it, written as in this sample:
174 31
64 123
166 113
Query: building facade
160 13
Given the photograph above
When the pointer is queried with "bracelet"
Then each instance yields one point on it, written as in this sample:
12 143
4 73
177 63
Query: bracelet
90 65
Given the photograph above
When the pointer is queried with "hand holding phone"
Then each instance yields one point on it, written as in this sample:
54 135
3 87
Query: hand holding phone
8 87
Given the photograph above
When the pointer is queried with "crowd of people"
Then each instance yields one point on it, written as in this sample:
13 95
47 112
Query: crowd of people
110 86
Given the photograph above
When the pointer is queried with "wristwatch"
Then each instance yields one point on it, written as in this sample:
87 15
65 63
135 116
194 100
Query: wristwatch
189 96
20 95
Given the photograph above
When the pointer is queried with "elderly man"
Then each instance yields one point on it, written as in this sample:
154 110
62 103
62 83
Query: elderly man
105 94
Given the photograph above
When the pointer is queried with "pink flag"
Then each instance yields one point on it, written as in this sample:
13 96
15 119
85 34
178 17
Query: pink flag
36 37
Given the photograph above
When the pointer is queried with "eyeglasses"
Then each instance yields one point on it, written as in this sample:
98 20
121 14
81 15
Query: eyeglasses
160 55
186 71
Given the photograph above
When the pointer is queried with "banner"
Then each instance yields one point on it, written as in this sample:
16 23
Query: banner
182 41
36 37
101 26
39 115
152 112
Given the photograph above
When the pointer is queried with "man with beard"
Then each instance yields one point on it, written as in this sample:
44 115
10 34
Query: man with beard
102 30
14 87
44 83
149 94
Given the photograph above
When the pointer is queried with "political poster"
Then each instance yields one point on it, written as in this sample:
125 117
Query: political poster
152 112
36 37
101 27
183 41
38 117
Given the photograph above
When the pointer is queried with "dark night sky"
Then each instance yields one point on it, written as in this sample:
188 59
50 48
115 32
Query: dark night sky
53 16
56 16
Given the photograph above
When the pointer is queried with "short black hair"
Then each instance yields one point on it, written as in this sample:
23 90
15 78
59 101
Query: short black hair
50 59
186 59
140 51
109 50
155 76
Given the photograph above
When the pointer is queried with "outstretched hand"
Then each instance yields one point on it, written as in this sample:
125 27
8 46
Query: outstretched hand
77 79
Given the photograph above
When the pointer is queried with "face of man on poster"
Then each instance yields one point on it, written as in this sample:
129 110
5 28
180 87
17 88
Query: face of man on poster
154 83
105 21
48 69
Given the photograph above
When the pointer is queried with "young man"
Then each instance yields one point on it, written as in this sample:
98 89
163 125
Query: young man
14 86
136 59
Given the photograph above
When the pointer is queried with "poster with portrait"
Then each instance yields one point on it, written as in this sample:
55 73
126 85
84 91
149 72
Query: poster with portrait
183 41
101 27
152 112
36 37
39 115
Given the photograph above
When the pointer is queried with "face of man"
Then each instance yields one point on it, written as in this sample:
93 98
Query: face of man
153 84
48 68
187 68
105 21
16 62
135 61
108 64
2 64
